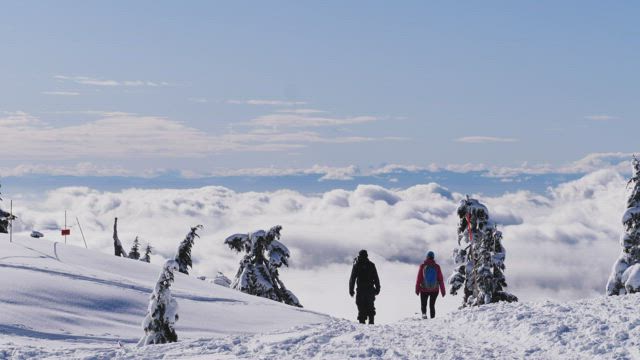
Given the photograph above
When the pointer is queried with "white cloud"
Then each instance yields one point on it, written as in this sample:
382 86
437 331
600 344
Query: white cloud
601 117
78 169
618 161
559 245
335 173
61 93
119 135
485 139
102 113
17 120
327 172
266 102
301 111
307 120
85 80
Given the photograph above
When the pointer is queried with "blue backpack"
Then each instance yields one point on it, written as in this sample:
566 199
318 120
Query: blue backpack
430 278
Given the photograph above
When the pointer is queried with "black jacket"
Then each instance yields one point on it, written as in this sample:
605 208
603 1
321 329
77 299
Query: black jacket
365 275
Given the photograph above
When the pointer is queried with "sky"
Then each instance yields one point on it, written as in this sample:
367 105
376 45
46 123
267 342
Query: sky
138 88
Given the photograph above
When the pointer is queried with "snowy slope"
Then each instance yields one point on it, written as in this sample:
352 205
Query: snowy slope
56 293
65 302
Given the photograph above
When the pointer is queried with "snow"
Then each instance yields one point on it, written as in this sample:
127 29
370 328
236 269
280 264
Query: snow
66 302
630 214
58 296
631 279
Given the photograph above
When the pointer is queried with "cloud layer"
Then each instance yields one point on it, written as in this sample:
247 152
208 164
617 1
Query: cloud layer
122 135
86 80
559 245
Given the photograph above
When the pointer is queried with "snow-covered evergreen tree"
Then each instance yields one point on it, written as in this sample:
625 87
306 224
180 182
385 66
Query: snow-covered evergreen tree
162 313
183 257
258 273
479 257
625 274
4 222
134 253
147 254
117 245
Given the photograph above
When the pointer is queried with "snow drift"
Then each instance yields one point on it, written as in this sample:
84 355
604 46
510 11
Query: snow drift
66 296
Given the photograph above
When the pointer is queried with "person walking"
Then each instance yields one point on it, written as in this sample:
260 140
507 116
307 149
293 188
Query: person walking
428 283
365 275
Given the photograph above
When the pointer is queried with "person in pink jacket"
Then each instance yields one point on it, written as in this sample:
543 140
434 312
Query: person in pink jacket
428 283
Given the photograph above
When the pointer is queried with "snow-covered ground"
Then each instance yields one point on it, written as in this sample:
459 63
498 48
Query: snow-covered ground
65 302
60 296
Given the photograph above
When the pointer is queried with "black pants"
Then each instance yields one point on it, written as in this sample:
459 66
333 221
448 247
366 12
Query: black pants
366 309
431 297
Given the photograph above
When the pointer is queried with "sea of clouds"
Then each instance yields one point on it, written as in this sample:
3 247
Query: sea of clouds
560 244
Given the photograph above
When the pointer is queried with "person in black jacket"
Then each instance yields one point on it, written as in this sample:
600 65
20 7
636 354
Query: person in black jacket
365 275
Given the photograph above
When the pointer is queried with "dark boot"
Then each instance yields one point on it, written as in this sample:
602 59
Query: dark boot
361 319
370 319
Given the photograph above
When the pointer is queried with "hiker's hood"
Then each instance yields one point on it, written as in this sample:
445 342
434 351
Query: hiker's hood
429 262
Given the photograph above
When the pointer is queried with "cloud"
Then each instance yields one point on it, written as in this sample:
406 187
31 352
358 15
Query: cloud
17 120
485 139
560 245
120 135
102 113
307 120
601 117
78 169
335 173
618 161
61 93
266 102
393 173
301 111
85 80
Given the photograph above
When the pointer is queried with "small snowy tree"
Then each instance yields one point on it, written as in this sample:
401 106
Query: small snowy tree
479 257
162 313
183 257
625 274
147 254
5 219
117 245
258 273
134 253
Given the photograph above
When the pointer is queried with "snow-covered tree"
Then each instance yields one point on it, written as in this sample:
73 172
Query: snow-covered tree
134 253
183 257
479 257
147 254
5 220
117 245
258 273
625 274
162 313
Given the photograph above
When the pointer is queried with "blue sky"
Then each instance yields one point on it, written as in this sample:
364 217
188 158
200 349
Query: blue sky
202 86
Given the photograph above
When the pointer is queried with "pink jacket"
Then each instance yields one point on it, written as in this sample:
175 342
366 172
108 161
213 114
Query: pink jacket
420 278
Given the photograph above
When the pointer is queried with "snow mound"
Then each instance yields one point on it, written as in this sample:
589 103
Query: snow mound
62 296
